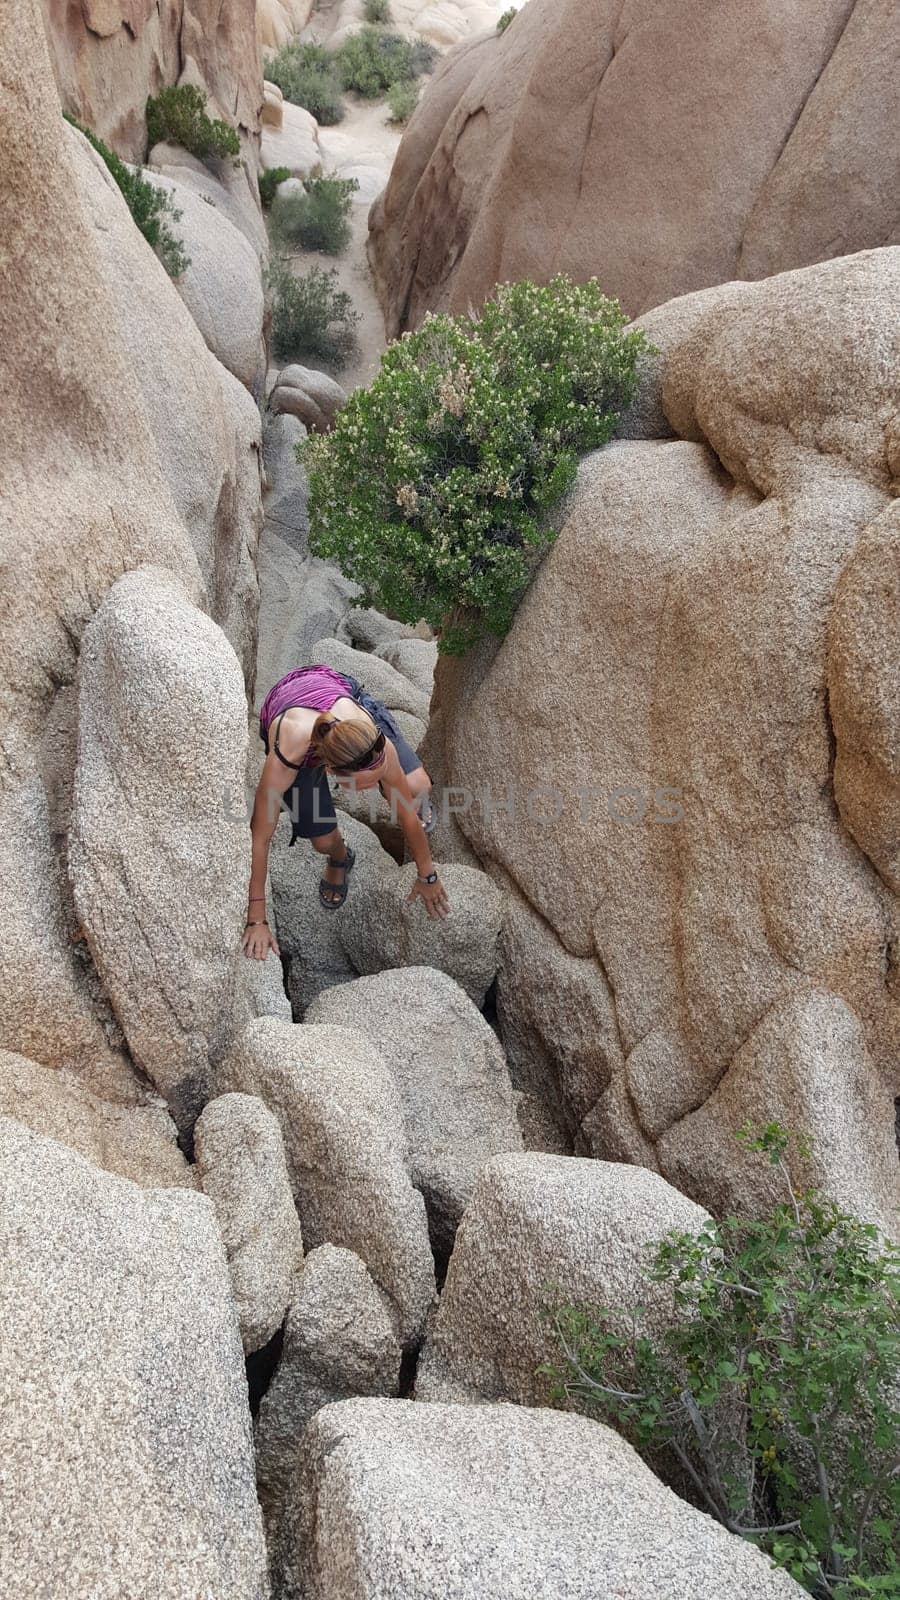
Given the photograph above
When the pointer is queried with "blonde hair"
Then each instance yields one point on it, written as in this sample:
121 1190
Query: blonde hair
341 742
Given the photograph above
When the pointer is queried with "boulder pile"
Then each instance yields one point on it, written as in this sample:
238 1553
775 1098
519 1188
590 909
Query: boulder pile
284 1244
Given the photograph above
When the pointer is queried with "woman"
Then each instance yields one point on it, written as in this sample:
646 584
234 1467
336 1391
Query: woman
323 723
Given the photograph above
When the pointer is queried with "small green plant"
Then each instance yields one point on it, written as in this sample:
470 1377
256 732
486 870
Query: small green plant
311 316
152 208
377 11
432 490
402 100
423 57
776 1388
371 60
318 219
307 76
178 115
504 21
268 184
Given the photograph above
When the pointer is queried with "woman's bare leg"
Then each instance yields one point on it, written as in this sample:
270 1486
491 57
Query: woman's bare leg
332 844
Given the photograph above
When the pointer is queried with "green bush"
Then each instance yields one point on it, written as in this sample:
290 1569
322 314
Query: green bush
311 316
371 60
152 208
377 11
268 183
504 21
178 115
307 76
423 57
432 490
318 219
776 1391
402 100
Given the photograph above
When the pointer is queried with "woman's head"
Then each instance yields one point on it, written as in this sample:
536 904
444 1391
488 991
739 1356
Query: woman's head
349 747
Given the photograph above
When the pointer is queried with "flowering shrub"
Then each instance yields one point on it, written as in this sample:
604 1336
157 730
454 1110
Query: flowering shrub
431 490
370 61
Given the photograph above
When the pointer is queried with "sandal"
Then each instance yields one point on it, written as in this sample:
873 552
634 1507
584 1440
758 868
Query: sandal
333 895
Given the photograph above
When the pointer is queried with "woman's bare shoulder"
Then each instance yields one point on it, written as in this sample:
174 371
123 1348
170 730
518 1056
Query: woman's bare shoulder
393 772
293 732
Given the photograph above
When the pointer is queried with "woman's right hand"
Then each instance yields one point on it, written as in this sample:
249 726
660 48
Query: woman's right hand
258 940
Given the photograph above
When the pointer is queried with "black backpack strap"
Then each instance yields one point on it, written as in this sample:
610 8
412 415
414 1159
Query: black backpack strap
296 766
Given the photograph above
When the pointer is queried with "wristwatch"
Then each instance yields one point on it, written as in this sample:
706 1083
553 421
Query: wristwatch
432 878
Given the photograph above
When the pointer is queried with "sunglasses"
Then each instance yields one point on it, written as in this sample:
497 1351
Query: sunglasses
365 760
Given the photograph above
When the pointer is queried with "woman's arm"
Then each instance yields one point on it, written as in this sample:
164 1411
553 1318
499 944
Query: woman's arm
403 805
275 780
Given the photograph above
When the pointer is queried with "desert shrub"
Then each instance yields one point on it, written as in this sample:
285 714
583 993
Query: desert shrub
307 76
377 10
505 19
178 114
402 100
371 60
432 490
311 316
268 184
423 57
152 208
776 1390
318 219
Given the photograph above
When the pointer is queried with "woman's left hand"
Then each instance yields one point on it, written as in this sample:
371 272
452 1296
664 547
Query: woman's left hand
435 897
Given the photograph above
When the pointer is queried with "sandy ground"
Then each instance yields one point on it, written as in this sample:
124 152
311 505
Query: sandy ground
363 147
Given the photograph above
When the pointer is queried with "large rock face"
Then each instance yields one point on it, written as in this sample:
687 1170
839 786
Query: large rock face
397 1501
109 55
221 287
162 734
127 1452
764 143
85 499
718 732
205 425
126 443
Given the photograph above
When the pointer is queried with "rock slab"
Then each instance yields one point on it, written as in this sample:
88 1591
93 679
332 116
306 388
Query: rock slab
458 1103
162 735
339 1342
342 1126
127 1451
397 1501
542 1231
242 1170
